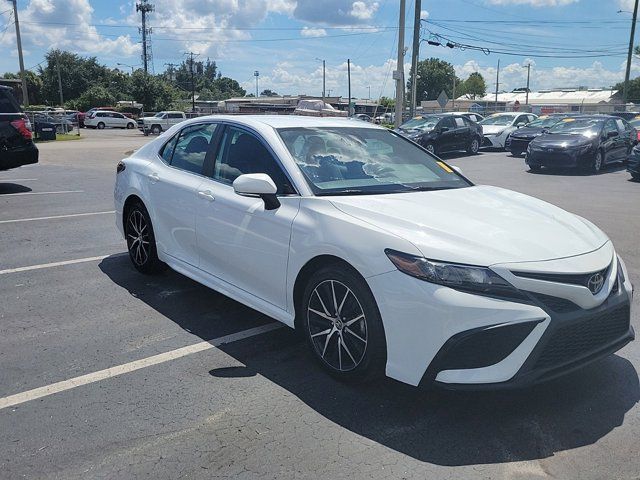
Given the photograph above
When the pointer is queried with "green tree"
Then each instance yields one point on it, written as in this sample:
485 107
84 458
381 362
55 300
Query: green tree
387 103
474 85
434 76
633 95
268 93
94 96
34 86
154 93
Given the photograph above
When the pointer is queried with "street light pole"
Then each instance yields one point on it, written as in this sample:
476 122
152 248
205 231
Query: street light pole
528 74
625 93
324 77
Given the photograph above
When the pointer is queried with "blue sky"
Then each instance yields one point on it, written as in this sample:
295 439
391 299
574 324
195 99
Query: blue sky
284 38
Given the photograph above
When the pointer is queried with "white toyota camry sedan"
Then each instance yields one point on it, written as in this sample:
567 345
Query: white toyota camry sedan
386 258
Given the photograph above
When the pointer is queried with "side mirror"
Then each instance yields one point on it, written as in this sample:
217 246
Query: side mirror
457 169
444 129
257 185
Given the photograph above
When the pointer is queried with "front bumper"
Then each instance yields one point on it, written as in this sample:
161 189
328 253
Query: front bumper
493 141
440 336
518 144
633 163
558 158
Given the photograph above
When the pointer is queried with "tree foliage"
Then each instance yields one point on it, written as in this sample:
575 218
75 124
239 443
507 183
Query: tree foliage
86 83
474 85
434 76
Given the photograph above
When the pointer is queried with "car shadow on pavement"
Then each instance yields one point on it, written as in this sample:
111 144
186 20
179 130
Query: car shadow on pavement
8 188
440 427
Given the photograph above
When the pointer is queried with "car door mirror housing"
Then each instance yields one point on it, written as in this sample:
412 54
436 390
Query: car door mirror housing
257 185
457 169
444 129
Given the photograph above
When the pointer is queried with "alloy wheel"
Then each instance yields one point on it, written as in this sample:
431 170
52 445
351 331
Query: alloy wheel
337 325
597 161
138 237
475 146
430 148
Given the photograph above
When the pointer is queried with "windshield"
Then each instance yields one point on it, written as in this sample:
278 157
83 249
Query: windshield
352 161
544 122
498 120
577 126
159 114
420 123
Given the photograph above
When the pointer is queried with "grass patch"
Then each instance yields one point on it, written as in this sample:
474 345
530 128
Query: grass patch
60 137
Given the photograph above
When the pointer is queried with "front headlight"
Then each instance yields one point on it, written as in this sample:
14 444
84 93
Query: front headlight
467 278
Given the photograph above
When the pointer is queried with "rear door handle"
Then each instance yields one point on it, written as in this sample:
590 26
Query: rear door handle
154 177
206 194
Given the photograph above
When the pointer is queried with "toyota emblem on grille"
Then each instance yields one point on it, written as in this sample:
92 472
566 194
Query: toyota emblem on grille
595 283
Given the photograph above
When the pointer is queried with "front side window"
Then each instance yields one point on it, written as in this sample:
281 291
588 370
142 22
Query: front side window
192 146
352 161
242 152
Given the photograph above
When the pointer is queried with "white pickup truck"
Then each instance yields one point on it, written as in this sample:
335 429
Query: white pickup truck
160 121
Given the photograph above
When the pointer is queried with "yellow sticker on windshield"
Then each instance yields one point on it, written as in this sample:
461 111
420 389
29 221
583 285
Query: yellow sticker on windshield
567 120
445 167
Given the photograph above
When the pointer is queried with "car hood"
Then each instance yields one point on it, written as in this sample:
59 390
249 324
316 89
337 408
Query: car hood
480 225
561 140
494 128
527 132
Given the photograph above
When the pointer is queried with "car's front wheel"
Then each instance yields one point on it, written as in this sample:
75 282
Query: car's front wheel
473 147
598 161
156 129
130 126
141 241
342 324
100 126
429 147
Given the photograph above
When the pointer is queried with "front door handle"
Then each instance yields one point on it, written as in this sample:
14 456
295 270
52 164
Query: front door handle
154 177
206 194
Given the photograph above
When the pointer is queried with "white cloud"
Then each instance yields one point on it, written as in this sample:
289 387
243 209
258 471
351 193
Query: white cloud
514 75
363 11
534 3
313 32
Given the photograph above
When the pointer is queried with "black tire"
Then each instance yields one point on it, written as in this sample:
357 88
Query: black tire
516 153
474 147
535 168
130 126
156 129
100 126
635 177
141 241
355 349
597 164
430 147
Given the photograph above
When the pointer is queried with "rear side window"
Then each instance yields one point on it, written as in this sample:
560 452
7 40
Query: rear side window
459 122
175 115
167 151
8 104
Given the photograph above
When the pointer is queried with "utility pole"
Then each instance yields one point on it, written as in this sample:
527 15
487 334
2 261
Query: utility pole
415 52
453 93
324 77
497 83
526 102
144 7
349 85
193 83
257 75
399 73
59 80
369 88
23 76
625 93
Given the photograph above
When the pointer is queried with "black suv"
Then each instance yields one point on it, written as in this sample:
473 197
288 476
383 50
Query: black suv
16 144
443 133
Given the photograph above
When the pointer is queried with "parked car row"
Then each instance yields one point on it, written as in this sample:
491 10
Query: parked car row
444 132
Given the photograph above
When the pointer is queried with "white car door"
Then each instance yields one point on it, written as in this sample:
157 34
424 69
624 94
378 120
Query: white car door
173 188
239 240
119 120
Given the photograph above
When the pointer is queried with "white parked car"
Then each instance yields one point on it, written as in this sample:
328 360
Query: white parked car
385 258
102 119
160 122
497 127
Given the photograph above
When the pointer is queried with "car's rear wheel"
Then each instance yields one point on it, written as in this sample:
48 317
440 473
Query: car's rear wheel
156 129
100 126
342 324
535 168
473 147
141 242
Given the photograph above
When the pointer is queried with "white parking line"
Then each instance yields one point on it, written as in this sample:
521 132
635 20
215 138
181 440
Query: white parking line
58 387
56 216
39 193
2 180
57 264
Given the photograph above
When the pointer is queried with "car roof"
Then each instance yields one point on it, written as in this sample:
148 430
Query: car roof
288 121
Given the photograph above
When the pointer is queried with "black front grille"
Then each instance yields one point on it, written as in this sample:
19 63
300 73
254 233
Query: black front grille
519 144
574 279
574 341
556 304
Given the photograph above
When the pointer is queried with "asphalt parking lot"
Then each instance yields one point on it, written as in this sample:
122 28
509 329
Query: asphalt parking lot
105 373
